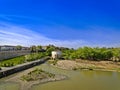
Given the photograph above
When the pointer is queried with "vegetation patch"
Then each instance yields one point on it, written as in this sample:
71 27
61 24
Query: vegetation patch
93 54
21 59
37 74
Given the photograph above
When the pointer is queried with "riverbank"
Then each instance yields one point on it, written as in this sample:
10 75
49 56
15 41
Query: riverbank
63 64
26 85
88 65
78 80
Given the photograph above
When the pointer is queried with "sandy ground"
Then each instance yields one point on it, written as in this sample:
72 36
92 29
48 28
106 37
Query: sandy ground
86 64
24 85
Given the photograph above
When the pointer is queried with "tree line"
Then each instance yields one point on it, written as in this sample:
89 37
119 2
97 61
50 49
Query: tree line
95 53
85 53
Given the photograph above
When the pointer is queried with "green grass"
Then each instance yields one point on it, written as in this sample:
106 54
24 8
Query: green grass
12 62
21 59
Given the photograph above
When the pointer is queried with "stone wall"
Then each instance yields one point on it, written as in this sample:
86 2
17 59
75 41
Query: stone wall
14 69
11 54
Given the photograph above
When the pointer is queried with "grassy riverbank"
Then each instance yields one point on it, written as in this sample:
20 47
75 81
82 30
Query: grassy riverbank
21 59
88 65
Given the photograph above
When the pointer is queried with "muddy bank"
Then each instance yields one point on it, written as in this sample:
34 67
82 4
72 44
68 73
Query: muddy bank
89 65
26 85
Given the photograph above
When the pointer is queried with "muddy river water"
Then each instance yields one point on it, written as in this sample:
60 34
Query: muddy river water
77 80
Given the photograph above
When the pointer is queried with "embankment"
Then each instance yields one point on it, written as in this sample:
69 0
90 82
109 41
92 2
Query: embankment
14 69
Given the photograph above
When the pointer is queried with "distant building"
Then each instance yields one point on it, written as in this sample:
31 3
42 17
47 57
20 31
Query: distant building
56 54
7 48
11 48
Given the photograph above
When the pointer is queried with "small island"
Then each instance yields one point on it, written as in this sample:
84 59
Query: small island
35 76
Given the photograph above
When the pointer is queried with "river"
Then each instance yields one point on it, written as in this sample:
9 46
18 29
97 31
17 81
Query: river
77 80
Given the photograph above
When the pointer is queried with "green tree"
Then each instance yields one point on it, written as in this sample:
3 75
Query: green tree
116 54
38 48
49 50
18 47
33 48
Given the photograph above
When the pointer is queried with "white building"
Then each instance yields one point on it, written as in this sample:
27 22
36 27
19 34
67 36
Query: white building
56 54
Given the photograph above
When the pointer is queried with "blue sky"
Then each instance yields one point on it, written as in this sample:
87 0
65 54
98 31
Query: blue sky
69 23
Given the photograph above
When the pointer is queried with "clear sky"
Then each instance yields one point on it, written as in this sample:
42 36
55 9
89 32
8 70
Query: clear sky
69 23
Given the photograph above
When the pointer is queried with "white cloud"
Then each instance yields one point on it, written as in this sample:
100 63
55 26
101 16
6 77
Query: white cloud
14 35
